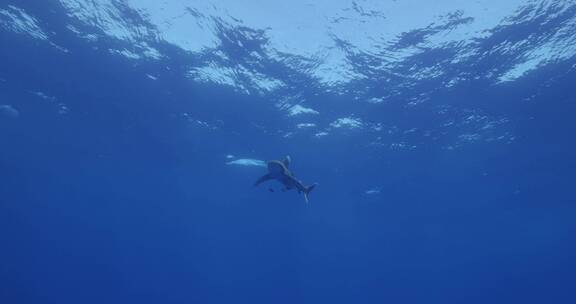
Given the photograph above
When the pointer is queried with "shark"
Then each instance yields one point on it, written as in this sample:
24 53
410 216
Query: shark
278 170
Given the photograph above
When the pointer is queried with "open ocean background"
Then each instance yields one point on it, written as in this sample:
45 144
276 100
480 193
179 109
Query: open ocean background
441 133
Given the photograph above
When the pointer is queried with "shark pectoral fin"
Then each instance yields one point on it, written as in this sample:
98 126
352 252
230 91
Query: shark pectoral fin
262 179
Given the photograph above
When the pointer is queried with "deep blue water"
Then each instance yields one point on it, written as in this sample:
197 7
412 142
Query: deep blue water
121 200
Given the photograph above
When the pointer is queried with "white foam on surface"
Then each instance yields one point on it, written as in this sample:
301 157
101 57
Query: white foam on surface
347 123
305 125
17 20
300 110
322 40
237 77
311 29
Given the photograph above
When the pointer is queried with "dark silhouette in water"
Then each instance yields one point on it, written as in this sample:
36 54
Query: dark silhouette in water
279 171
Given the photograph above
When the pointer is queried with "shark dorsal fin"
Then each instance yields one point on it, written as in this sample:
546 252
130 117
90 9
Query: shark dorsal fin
286 161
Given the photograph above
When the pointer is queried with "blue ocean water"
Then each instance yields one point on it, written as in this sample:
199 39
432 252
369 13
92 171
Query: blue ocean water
445 164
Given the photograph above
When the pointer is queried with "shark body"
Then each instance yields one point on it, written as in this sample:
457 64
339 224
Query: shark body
278 170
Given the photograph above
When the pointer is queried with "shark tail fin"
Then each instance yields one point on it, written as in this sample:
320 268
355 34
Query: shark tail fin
308 190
